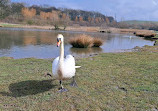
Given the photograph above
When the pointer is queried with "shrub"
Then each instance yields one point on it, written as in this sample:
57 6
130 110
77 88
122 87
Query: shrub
97 42
145 34
30 22
108 31
85 41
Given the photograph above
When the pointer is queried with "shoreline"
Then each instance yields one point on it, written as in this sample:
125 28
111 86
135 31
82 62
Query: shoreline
135 49
79 28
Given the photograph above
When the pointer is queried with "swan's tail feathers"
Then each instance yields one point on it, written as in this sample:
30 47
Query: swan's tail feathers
77 66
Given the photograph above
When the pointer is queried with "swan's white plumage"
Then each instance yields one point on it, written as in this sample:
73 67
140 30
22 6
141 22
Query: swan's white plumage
55 66
68 67
63 68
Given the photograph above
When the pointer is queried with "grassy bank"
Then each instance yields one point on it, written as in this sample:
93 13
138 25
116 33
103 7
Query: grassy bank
110 81
81 28
10 25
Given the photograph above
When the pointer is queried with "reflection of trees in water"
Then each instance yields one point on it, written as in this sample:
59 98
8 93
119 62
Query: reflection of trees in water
47 38
10 37
7 40
29 40
86 50
40 37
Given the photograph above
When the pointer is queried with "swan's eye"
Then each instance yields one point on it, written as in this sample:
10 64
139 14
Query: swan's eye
58 39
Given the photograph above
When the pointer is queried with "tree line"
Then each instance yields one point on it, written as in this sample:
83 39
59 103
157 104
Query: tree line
19 13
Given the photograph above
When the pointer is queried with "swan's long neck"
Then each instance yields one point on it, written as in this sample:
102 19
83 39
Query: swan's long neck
61 58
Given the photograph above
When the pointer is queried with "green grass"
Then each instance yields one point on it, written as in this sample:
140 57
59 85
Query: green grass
156 37
139 22
10 25
110 81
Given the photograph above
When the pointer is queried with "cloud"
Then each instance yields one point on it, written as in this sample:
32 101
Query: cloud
155 2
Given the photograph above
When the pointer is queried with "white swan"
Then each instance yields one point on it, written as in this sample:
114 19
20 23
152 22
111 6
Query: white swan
63 68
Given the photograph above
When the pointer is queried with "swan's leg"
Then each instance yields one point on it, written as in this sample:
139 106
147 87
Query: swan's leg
62 89
73 83
61 84
47 74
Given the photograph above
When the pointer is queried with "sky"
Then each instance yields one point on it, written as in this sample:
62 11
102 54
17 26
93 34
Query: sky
146 10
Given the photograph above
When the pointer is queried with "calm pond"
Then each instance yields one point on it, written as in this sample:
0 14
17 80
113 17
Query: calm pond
38 43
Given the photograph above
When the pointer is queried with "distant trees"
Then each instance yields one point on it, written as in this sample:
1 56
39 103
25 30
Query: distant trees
107 20
88 17
28 13
10 10
40 15
80 19
61 17
4 8
53 15
16 8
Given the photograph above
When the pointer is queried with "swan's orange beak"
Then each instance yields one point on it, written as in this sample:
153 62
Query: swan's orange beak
58 43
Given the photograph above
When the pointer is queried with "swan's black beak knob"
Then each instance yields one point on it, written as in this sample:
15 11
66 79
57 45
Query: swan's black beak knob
58 43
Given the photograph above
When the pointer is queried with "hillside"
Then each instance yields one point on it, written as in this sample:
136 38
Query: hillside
42 15
74 15
139 22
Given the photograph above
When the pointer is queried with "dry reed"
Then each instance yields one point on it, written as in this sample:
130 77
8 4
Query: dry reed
145 34
85 41
97 42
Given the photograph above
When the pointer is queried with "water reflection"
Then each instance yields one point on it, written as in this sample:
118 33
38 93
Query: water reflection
86 50
23 43
27 40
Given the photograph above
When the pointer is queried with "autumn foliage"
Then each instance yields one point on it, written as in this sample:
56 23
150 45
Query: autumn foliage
81 19
16 12
54 15
59 17
28 13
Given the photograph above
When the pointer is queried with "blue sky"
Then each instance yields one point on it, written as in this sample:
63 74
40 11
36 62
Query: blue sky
123 9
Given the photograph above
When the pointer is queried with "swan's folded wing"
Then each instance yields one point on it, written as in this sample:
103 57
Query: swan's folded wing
55 65
69 61
69 66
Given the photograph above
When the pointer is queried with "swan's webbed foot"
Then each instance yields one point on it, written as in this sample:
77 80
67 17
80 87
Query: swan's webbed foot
62 90
73 83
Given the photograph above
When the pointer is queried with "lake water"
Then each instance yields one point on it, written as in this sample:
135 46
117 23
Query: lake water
38 43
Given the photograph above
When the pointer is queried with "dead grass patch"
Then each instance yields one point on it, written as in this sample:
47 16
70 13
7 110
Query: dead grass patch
140 33
85 41
97 42
82 41
145 34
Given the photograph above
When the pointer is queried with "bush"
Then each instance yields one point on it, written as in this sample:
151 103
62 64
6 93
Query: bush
85 41
108 31
97 42
30 22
